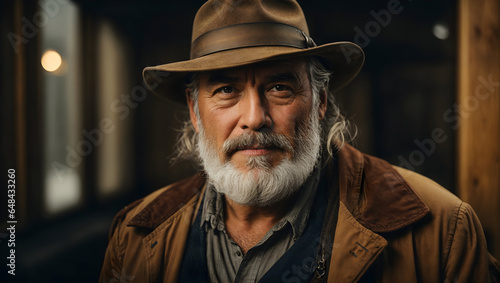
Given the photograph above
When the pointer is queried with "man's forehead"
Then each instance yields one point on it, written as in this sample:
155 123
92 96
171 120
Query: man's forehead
267 68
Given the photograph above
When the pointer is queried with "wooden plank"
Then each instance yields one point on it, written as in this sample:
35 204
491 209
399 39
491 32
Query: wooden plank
479 111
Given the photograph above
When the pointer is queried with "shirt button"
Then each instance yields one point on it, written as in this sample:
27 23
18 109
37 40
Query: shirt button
238 253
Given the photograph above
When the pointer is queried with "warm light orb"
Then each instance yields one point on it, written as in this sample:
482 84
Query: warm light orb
51 60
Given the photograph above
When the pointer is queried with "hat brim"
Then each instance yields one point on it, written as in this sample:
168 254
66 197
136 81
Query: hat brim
343 59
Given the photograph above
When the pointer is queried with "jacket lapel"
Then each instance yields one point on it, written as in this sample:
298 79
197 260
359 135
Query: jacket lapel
374 198
166 222
354 248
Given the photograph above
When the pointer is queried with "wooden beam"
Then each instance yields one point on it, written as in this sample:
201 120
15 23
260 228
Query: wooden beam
479 111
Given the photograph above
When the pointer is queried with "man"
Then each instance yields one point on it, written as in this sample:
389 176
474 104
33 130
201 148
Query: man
281 197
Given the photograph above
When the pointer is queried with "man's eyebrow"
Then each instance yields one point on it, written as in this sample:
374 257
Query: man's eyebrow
218 78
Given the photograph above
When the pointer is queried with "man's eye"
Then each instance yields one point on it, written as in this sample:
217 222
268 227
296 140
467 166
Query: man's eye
280 88
225 90
281 91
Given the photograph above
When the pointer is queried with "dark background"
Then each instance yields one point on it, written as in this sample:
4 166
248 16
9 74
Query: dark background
407 84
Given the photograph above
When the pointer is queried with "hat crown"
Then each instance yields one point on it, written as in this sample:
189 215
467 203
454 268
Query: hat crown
215 14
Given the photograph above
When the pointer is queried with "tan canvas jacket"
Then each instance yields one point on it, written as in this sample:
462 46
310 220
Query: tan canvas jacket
393 226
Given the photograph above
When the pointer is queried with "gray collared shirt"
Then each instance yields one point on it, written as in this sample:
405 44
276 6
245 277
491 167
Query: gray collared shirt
225 259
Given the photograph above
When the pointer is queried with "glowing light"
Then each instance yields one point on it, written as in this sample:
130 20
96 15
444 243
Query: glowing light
440 31
51 61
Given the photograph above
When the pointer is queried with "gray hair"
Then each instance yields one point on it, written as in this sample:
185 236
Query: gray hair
337 129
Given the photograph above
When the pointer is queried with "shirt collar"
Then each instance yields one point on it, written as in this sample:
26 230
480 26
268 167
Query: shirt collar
213 209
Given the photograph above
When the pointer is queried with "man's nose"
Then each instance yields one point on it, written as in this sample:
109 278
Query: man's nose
254 111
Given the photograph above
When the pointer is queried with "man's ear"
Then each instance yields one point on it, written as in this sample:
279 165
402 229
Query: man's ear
323 99
192 114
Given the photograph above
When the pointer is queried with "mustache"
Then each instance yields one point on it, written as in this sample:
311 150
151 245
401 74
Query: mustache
255 140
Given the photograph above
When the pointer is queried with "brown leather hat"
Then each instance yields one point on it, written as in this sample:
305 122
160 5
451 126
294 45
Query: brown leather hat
233 33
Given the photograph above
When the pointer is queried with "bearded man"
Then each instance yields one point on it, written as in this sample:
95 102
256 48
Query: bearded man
281 197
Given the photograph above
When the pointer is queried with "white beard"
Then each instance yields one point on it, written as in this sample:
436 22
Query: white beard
263 185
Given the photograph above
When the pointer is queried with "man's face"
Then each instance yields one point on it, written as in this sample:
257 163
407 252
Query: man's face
273 97
259 130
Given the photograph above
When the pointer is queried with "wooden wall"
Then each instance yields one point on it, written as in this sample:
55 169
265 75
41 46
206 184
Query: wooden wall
479 111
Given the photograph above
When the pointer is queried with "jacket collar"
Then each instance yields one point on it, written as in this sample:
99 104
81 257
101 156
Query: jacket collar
371 189
375 194
168 202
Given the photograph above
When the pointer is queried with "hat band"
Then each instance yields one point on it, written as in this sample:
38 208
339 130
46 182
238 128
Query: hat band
250 35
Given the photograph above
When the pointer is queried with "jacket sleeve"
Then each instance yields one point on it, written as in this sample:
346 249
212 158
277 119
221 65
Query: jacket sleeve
468 257
112 264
